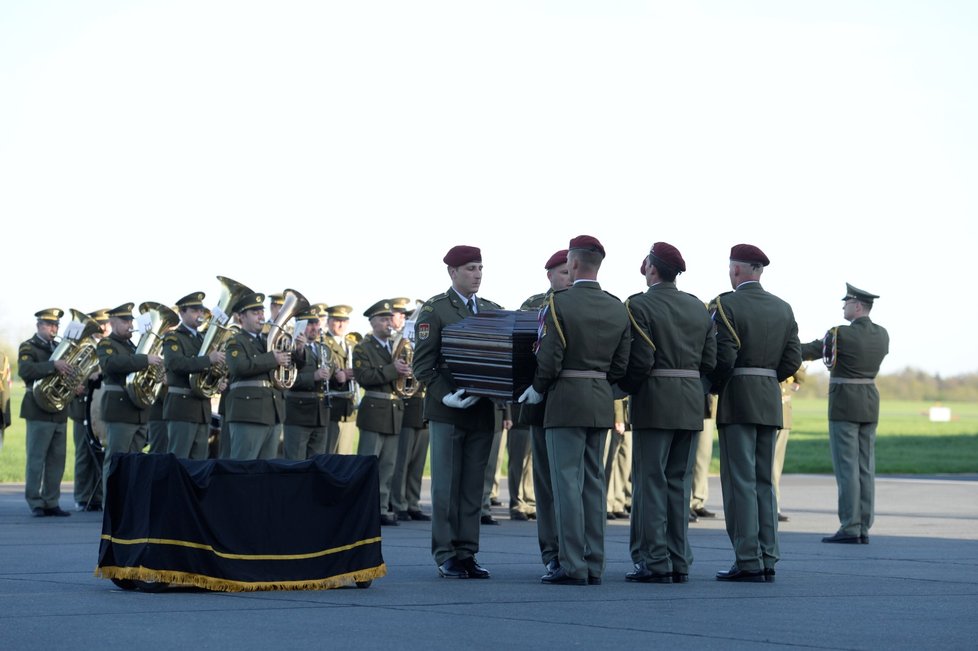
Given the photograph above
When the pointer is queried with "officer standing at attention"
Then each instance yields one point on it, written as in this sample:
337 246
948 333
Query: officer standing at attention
460 426
306 406
342 399
47 433
757 348
583 350
125 423
188 415
254 405
853 355
672 348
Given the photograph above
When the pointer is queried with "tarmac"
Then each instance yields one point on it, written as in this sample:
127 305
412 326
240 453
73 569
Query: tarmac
915 586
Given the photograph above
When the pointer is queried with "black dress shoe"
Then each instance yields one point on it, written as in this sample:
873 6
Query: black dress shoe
561 577
769 574
680 577
531 516
864 540
38 512
703 513
845 539
494 502
488 519
403 516
593 580
737 574
783 518
692 517
388 520
642 574
94 506
621 515
473 569
419 516
518 515
57 511
552 566
453 569
612 516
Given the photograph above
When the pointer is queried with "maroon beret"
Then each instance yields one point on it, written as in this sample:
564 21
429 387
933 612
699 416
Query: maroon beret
460 255
586 243
748 253
645 265
557 259
666 255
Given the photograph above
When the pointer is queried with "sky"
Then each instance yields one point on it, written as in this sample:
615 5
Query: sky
341 148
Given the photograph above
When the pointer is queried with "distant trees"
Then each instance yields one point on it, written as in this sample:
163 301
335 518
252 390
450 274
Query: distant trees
908 384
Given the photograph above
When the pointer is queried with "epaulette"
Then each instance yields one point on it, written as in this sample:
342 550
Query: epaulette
495 306
437 298
635 295
170 336
611 295
712 306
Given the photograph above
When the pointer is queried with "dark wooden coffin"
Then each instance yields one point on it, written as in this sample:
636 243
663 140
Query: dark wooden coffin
491 353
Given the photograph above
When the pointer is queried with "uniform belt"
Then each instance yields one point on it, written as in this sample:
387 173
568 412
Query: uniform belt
851 380
302 394
259 384
180 391
590 375
113 387
381 395
675 372
753 370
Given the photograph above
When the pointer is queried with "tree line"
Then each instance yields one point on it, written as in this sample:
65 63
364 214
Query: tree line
908 384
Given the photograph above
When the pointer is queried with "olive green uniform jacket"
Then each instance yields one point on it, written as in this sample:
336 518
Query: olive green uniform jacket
340 406
305 403
374 370
117 358
587 331
678 325
180 355
34 365
248 361
756 330
860 349
429 365
528 415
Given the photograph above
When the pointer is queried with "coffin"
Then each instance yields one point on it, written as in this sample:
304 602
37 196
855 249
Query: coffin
490 354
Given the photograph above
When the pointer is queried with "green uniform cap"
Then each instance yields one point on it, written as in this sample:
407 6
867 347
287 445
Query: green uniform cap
380 308
340 311
124 311
192 300
250 301
860 295
51 314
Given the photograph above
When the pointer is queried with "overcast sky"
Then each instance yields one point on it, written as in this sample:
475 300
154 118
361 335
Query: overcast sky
341 148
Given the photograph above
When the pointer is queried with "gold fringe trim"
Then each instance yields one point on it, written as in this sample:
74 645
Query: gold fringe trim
239 557
227 585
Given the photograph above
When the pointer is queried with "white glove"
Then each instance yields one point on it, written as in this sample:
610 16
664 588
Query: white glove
456 400
531 396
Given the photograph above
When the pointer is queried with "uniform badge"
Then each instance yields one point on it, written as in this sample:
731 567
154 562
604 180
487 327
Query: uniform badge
234 353
24 357
423 330
357 364
108 350
174 348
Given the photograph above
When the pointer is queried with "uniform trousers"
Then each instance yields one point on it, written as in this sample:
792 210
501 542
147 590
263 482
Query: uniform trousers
253 441
458 464
224 444
618 471
384 447
340 436
854 460
302 442
576 456
412 452
702 455
46 450
519 471
780 447
88 474
159 435
124 438
661 470
749 508
544 493
490 485
186 440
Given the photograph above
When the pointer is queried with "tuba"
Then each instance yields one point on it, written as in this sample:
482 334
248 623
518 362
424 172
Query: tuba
349 342
143 387
216 338
405 386
54 392
279 340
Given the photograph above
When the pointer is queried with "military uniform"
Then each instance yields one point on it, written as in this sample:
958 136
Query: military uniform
853 354
673 346
788 387
159 438
46 431
757 347
254 406
702 455
460 439
343 398
306 404
618 464
584 349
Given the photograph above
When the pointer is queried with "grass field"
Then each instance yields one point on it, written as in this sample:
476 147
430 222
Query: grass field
907 442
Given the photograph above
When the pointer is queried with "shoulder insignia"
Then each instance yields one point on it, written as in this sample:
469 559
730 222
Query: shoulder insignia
427 308
24 357
357 364
234 353
174 347
109 350
423 330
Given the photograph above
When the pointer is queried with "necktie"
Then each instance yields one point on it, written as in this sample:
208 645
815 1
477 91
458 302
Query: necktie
471 305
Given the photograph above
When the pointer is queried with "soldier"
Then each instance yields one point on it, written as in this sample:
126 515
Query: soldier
460 426
343 392
531 416
583 350
673 347
757 347
306 406
412 442
788 387
46 431
381 410
275 303
254 405
188 415
88 471
853 355
125 422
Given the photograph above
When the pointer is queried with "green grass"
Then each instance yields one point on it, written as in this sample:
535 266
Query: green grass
907 442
